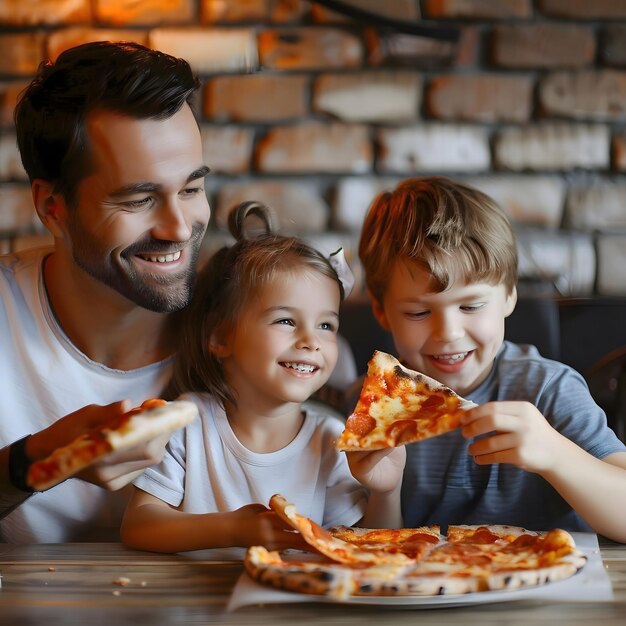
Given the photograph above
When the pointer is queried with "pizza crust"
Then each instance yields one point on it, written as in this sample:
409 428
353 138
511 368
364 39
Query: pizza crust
458 532
327 579
153 422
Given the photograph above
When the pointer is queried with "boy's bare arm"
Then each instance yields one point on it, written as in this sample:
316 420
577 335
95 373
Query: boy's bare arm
151 524
594 488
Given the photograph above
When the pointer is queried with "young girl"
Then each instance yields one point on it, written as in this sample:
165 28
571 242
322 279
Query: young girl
259 338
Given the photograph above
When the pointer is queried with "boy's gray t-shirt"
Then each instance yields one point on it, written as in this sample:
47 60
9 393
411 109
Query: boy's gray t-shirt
443 485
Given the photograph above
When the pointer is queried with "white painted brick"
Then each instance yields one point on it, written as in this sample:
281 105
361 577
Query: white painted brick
526 199
380 96
567 259
297 206
17 212
353 197
596 206
227 148
611 263
599 95
434 147
553 147
10 162
316 147
209 49
483 97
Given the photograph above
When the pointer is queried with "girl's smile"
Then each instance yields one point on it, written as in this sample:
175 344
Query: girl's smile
283 347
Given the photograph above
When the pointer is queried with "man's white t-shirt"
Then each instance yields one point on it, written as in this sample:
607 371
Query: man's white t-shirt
43 377
206 469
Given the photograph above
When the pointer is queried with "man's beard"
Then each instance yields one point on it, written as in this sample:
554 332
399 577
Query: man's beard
162 293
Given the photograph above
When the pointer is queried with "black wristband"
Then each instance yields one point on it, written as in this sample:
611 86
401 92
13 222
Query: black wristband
19 464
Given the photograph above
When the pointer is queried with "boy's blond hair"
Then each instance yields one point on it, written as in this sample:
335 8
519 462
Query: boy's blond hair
451 229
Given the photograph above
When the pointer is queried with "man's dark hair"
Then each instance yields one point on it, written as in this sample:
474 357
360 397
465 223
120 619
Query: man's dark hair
122 77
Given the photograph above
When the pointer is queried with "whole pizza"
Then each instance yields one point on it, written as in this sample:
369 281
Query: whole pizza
413 561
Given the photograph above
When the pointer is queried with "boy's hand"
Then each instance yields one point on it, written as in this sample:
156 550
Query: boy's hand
380 470
516 433
259 526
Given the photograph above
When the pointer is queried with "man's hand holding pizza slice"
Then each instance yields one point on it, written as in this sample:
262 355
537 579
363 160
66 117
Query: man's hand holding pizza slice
118 469
106 445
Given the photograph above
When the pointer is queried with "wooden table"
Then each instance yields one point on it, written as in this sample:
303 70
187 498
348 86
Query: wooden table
84 584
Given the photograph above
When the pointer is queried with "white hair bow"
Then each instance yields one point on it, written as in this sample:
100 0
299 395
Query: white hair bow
344 273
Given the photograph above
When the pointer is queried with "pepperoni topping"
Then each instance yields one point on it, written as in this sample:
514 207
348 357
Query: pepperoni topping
432 401
360 423
402 430
422 537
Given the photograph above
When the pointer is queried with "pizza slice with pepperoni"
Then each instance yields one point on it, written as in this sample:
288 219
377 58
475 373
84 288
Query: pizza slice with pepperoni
398 406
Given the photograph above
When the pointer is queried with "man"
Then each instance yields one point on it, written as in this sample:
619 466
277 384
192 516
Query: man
114 156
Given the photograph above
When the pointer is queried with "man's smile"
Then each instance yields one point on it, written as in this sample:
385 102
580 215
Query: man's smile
161 258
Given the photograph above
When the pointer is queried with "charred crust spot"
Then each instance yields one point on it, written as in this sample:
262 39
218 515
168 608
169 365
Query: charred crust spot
326 576
402 374
441 591
366 588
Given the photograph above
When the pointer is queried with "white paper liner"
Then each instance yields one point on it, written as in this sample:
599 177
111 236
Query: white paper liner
591 584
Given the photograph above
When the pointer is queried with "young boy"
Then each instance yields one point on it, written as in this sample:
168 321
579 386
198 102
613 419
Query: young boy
440 263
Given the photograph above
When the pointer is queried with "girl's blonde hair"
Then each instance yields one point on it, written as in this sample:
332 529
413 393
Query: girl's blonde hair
230 279
452 230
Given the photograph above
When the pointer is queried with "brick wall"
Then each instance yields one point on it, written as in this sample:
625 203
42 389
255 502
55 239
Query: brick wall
314 113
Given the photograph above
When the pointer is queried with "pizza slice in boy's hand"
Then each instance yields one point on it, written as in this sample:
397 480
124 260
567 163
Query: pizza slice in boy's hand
399 406
153 418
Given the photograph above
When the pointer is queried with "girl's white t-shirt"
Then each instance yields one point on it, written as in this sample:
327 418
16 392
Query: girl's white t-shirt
206 469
